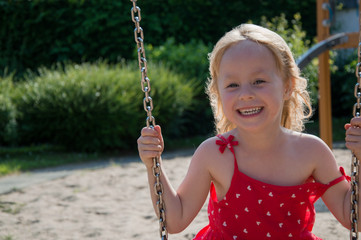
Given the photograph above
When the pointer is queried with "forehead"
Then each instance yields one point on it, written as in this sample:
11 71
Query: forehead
247 51
247 58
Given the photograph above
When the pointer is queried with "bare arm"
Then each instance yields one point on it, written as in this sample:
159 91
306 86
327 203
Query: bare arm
353 142
338 197
184 204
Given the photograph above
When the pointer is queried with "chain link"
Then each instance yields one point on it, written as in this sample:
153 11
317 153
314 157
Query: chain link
355 162
150 120
354 198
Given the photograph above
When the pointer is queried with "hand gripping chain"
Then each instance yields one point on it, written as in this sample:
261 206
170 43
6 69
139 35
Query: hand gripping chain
150 121
355 162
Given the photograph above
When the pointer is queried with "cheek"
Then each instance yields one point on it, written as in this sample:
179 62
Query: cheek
226 102
226 98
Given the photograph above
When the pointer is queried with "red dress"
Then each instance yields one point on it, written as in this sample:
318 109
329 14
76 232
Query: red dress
252 209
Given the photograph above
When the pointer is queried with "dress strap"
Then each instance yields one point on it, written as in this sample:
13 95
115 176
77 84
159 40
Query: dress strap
228 143
339 179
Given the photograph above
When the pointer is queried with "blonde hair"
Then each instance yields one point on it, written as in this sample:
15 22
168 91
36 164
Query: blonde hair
296 109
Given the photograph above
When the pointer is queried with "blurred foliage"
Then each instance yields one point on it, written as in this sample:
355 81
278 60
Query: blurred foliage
208 20
43 32
8 124
191 61
95 107
343 82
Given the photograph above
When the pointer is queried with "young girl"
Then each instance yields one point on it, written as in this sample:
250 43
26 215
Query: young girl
263 174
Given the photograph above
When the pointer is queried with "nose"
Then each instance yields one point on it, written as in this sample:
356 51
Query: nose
246 93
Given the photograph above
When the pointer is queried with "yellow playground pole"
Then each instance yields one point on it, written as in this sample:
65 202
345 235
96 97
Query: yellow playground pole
324 85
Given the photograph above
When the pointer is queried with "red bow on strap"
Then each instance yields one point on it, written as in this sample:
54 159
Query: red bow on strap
348 178
226 143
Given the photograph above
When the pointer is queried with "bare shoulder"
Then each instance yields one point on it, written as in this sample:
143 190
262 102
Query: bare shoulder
315 151
307 143
209 156
207 150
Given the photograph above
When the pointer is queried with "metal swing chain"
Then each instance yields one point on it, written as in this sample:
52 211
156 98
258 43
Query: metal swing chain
150 121
355 162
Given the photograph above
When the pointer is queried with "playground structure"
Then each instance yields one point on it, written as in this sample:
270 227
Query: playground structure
325 43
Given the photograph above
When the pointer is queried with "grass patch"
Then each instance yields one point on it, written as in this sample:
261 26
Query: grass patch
7 237
14 160
11 207
22 159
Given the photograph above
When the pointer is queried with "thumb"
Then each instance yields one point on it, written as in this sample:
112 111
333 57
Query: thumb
159 131
347 126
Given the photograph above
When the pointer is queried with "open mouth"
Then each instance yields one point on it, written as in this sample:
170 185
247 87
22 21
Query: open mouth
250 111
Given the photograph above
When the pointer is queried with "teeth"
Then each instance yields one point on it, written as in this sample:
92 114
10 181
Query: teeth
250 111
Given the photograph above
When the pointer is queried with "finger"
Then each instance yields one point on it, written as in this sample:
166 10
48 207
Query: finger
147 157
347 126
147 131
350 145
149 140
356 131
356 122
149 151
353 146
159 131
353 138
146 152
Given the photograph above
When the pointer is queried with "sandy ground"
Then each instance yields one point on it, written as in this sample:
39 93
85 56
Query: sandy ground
112 203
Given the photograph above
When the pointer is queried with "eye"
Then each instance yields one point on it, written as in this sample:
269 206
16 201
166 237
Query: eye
232 85
259 81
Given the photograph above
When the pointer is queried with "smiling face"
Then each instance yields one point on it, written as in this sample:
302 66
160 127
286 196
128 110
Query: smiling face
251 88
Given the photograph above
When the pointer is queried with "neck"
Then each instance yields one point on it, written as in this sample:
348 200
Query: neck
261 141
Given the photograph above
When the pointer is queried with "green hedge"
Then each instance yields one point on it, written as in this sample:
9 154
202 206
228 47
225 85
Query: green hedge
343 82
208 20
191 60
97 107
8 125
43 32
